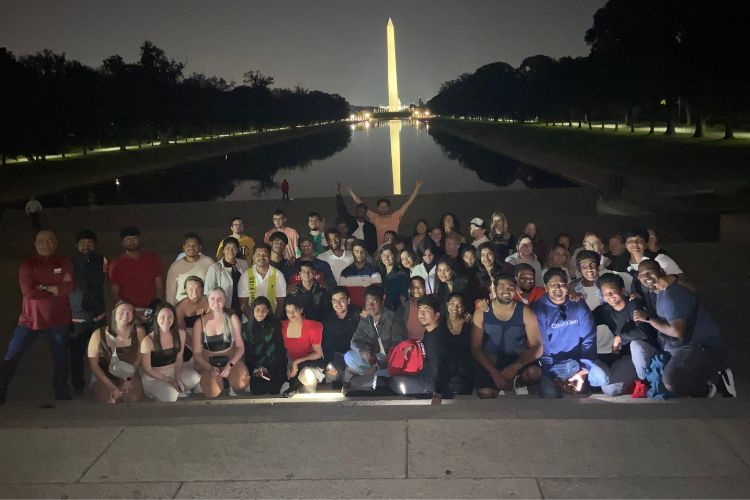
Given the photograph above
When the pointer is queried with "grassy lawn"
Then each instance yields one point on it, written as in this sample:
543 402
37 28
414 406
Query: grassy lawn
675 159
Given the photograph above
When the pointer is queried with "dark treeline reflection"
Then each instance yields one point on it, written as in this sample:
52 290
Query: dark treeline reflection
494 167
211 179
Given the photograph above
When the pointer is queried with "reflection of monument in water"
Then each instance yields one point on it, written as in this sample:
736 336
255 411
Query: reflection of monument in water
395 129
394 105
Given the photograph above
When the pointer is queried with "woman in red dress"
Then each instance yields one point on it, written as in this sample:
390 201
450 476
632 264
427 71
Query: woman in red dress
302 340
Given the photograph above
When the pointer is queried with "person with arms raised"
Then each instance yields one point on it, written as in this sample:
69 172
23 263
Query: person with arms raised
383 219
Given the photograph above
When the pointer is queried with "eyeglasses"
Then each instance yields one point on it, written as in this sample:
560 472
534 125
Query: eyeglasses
563 312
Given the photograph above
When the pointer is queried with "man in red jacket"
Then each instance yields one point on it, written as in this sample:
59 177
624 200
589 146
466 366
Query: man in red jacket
46 282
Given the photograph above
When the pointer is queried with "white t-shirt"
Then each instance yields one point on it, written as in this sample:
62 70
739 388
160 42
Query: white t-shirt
666 262
337 264
359 233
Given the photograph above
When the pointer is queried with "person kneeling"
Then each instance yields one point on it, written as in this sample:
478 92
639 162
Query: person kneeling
569 338
164 376
690 342
114 360
218 348
505 342
302 339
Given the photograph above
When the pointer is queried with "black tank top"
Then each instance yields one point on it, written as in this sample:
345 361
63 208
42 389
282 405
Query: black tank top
165 357
190 320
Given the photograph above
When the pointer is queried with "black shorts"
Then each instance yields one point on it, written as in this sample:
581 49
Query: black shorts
483 380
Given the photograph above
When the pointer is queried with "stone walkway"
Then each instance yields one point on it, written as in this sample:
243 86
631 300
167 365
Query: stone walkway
263 448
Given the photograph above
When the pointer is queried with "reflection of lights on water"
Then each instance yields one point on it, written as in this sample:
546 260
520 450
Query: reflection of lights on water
226 157
353 127
367 124
395 126
117 182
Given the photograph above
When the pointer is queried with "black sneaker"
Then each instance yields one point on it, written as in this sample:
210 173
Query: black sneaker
725 384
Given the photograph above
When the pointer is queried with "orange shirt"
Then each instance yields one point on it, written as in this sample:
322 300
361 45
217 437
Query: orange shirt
383 223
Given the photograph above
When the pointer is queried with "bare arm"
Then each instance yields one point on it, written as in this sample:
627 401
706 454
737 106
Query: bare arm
354 196
198 347
477 336
533 336
140 334
411 199
93 355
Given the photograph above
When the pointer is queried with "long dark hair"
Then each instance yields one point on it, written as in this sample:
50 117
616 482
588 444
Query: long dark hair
396 258
156 337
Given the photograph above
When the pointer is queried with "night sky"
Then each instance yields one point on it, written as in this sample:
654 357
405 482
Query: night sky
336 45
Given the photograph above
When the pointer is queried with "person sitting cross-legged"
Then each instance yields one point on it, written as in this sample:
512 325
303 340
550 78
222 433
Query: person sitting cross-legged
697 353
569 338
377 332
505 342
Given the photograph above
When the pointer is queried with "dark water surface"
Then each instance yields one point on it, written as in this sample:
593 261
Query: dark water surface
380 158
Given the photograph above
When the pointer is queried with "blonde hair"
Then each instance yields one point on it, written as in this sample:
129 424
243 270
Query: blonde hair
499 215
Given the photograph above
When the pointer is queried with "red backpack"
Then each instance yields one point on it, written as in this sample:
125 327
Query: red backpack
411 364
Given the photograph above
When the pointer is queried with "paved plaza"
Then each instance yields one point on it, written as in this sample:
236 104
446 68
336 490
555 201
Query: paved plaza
325 446
259 448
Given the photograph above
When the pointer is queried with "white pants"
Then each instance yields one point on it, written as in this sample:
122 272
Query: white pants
165 392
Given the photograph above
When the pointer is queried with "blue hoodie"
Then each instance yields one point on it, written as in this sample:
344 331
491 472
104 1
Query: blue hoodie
566 335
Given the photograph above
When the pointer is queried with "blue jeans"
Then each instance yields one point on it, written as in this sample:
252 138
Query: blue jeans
598 376
23 338
357 364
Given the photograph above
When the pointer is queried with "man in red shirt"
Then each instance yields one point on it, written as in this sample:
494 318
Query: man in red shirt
136 276
46 282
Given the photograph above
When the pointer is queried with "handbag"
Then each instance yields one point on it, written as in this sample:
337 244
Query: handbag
117 368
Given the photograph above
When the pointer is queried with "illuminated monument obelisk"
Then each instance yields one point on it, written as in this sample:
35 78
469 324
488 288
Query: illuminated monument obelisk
393 103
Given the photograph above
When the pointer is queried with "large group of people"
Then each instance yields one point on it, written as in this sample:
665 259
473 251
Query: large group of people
366 308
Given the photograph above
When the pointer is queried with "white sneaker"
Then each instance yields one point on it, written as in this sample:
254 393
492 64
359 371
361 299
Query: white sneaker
284 387
726 379
182 395
521 390
711 390
232 393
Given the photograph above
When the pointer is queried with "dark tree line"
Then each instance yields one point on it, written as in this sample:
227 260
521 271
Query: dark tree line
53 105
652 61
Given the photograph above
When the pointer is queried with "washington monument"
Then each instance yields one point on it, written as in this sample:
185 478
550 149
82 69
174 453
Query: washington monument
394 104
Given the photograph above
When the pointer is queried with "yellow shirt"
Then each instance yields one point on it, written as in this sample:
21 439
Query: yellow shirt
247 245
